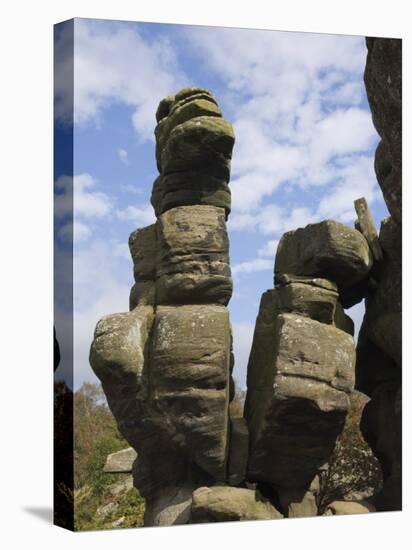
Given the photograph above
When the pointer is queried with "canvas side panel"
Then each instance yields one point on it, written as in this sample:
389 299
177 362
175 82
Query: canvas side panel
63 275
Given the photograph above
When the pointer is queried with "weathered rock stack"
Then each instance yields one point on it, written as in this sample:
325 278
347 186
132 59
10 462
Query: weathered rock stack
379 350
166 366
302 364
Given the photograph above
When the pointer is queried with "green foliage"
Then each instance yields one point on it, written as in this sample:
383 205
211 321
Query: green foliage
352 470
96 436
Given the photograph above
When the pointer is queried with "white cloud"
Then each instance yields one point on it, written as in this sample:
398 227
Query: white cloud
295 102
139 215
269 249
258 264
76 232
79 197
102 286
114 63
123 155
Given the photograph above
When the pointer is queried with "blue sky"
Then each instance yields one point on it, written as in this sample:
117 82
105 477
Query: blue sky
304 151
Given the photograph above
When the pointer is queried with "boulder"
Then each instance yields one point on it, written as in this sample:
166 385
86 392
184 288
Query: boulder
182 112
327 249
120 462
297 401
119 358
345 507
193 256
222 503
171 507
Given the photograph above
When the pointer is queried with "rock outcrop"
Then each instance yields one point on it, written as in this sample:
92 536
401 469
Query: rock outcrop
166 365
379 350
302 364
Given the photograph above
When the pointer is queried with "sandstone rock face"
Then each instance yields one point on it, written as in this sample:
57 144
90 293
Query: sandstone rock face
212 504
297 405
381 427
379 361
383 81
189 188
344 508
302 362
166 365
190 354
120 462
384 303
327 249
193 256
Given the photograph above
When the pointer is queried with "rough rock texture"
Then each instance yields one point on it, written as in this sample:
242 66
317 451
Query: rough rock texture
166 365
193 256
344 508
297 401
381 427
120 462
189 188
379 351
212 504
327 249
383 81
383 304
189 376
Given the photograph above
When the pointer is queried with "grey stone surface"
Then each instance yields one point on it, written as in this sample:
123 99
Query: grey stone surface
189 376
383 81
193 256
189 188
344 508
142 244
327 249
222 503
297 401
120 462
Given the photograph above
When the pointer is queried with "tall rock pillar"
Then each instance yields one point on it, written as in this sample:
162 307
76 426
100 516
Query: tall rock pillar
166 365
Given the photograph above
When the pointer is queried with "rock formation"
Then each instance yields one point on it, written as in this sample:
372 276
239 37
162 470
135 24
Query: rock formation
166 365
302 363
379 349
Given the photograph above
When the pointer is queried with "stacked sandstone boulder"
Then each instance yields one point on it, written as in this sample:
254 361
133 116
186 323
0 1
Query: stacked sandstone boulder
302 364
166 365
379 349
